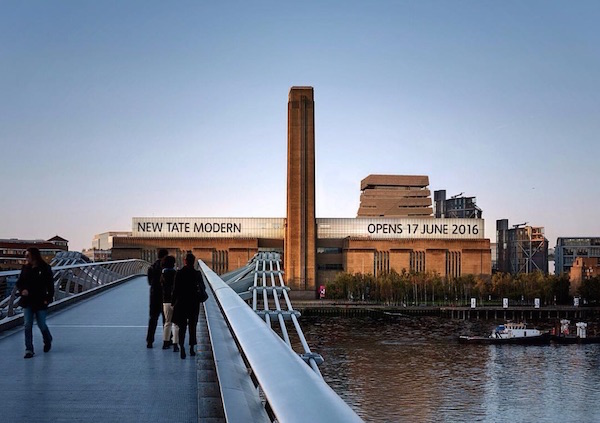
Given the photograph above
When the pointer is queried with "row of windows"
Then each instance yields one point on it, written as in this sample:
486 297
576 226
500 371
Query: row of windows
220 261
574 242
381 264
329 250
453 261
592 252
417 261
330 266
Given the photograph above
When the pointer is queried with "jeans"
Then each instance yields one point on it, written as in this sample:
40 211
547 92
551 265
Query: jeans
40 317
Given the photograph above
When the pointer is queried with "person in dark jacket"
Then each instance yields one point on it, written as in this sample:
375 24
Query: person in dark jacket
167 280
156 296
186 302
36 287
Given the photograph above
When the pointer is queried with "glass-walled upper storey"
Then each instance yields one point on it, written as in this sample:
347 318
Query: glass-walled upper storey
567 249
574 242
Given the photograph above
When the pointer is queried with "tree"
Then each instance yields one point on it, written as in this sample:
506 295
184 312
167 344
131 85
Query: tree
590 290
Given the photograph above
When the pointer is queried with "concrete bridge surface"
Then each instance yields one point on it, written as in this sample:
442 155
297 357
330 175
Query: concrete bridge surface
99 369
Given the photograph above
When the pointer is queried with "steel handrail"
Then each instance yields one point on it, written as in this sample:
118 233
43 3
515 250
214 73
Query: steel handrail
293 391
70 280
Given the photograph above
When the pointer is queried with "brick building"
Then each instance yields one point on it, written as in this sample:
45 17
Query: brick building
12 251
398 232
583 268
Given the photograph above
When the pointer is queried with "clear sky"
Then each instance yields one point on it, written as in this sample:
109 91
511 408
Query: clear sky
116 109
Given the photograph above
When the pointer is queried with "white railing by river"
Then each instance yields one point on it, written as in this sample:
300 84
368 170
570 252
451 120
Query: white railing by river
290 383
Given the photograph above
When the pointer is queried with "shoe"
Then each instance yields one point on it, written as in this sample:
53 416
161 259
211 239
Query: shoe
192 350
182 352
47 347
149 345
166 345
175 348
28 354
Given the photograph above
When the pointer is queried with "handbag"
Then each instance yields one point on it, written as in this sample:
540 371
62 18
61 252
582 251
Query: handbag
203 295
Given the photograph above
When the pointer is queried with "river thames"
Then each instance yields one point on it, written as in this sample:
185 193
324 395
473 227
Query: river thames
414 370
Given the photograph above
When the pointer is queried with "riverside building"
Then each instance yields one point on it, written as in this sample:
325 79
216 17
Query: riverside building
12 251
569 248
401 234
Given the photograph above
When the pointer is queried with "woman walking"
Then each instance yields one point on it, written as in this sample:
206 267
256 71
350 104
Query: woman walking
186 302
36 287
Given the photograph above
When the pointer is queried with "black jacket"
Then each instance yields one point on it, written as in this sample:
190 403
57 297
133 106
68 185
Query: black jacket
186 297
167 280
154 273
39 282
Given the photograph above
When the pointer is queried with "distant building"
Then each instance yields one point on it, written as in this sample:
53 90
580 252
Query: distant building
102 245
569 248
520 249
97 255
494 251
395 196
583 268
12 251
456 206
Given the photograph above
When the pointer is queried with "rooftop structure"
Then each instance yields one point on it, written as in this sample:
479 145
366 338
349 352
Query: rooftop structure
457 206
395 196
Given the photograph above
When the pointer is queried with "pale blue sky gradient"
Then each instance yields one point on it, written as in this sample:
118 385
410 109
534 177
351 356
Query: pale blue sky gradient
116 109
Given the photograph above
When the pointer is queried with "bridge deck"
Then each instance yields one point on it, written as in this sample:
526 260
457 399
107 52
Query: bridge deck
99 369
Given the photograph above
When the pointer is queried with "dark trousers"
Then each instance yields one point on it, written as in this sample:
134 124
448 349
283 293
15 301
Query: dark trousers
191 323
40 316
156 309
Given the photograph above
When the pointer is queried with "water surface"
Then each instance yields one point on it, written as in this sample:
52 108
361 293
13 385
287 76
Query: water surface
414 370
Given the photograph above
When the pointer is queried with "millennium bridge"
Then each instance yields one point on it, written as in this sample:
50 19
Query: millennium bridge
253 362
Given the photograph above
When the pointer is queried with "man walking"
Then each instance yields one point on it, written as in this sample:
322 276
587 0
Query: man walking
156 296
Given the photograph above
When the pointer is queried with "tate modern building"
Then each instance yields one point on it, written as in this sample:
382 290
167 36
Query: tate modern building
394 228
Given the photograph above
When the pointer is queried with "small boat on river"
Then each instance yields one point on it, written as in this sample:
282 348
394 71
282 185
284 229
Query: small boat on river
510 333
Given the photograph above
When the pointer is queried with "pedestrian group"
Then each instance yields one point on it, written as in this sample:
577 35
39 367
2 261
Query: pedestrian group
174 294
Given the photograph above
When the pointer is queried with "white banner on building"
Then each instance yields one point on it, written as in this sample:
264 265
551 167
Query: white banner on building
206 227
385 228
334 228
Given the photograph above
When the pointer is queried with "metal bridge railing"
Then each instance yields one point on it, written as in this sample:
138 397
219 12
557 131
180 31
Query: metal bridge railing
69 281
268 284
293 391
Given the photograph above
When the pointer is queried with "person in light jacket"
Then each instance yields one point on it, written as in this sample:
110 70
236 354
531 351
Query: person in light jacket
186 302
36 287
